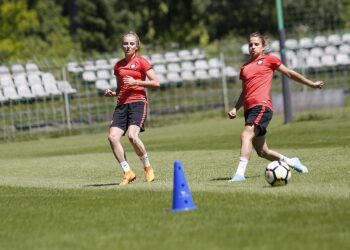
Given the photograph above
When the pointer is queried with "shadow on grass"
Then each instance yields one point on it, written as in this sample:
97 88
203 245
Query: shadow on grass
229 178
101 185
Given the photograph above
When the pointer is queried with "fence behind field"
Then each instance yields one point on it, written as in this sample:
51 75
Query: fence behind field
71 100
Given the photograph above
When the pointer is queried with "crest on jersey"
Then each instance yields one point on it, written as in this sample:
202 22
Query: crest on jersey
260 62
133 66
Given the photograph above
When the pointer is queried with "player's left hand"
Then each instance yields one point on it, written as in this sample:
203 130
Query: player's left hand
129 80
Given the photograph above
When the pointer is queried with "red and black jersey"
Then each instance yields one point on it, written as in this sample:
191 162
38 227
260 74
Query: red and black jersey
256 79
135 68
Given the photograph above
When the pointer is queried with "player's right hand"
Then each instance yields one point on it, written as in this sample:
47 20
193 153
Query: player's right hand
232 113
109 93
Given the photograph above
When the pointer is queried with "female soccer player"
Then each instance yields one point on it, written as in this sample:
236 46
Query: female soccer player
131 110
256 76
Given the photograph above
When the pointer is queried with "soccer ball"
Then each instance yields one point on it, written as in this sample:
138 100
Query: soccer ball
277 173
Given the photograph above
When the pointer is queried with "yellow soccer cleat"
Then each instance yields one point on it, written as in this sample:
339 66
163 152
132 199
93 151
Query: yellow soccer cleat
149 174
128 178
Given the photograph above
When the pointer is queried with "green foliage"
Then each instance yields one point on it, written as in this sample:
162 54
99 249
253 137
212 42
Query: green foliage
169 24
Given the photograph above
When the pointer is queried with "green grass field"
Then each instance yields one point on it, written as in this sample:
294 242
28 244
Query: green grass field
62 193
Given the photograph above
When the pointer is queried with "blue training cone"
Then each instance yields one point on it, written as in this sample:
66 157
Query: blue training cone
182 198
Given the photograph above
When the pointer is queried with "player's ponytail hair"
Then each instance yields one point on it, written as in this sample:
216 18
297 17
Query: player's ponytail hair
132 33
264 40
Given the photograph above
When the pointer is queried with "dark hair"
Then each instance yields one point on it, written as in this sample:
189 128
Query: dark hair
264 40
132 33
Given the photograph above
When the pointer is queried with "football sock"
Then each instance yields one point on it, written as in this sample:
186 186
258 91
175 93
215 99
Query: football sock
287 160
145 160
242 165
125 166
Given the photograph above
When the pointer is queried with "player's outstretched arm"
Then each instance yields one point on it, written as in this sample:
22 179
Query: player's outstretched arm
299 78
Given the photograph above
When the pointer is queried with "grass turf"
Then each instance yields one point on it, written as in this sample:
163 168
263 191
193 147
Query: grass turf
62 193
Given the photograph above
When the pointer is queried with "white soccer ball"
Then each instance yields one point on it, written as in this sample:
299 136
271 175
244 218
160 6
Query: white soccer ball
277 173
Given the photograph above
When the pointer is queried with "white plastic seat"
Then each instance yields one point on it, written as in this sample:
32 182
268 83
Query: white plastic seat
102 64
346 38
24 92
20 80
201 74
231 72
245 49
171 57
32 68
89 76
320 41
313 62
187 66
10 93
157 59
214 73
160 68
74 67
49 83
198 53
34 79
274 46
291 44
38 90
305 43
113 61
214 62
187 76
4 70
102 85
103 74
316 52
65 86
173 77
185 55
17 69
342 59
6 81
2 97
330 50
173 67
334 39
344 48
292 59
328 60
162 79
201 64
113 83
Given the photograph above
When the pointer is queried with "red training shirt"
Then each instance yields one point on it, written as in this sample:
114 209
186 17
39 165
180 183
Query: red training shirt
135 68
257 81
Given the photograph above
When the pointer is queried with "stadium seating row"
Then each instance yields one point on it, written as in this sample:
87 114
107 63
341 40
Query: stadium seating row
34 85
157 58
335 40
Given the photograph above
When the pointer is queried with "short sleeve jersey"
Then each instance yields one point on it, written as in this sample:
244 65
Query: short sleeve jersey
135 68
257 77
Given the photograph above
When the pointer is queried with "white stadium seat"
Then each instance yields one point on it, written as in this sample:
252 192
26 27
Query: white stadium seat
65 86
24 92
173 67
320 41
201 74
38 90
291 44
20 80
89 76
187 76
334 39
305 43
187 66
34 79
160 69
173 77
102 85
330 50
342 59
11 94
6 81
2 97
201 64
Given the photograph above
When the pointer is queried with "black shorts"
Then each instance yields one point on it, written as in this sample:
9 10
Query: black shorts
260 116
134 113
